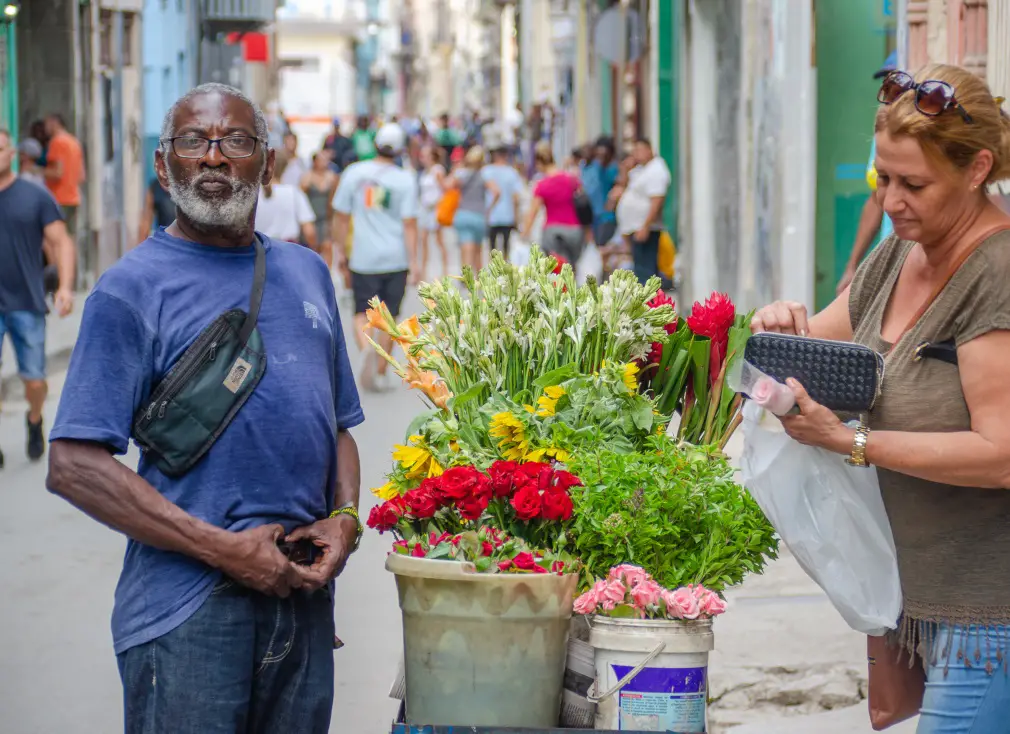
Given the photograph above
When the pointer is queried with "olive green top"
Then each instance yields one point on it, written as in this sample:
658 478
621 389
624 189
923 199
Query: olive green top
953 543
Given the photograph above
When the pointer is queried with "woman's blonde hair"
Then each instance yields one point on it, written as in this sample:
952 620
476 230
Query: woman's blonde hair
474 157
948 137
543 153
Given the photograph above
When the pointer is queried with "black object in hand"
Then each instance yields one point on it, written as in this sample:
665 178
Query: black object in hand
301 552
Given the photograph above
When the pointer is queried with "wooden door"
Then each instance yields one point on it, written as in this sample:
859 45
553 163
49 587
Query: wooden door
918 35
968 37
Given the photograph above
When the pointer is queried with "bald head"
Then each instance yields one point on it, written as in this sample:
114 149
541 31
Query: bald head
212 89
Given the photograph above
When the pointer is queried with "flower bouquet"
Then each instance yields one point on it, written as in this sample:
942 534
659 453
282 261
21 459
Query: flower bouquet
687 369
629 592
511 519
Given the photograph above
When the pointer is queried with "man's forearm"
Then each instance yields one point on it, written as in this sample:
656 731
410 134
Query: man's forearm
341 225
66 261
53 171
90 478
655 211
348 487
867 231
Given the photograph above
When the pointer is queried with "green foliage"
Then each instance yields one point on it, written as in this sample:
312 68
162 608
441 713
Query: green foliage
672 509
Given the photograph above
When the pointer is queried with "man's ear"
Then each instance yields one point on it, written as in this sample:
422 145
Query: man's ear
268 170
161 168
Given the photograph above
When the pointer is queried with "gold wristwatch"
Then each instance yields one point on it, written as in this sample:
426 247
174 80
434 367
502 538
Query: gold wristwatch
350 509
858 455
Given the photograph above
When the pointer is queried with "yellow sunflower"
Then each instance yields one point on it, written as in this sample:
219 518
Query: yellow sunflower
551 453
511 435
548 402
386 492
630 377
416 459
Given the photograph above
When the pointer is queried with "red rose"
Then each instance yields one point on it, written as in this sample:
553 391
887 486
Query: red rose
504 565
458 483
473 507
564 480
482 487
557 505
385 516
486 548
400 545
525 561
455 541
558 567
537 473
432 486
527 502
418 551
421 503
435 540
539 569
502 475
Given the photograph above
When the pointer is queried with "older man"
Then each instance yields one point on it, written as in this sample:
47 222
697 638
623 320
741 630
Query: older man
215 628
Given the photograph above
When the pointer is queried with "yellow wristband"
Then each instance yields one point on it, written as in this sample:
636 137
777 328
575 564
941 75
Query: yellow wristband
351 511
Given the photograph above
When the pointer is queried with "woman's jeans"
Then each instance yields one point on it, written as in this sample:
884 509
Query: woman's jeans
244 662
962 696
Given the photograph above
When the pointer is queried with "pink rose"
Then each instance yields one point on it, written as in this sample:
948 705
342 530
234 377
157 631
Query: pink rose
631 575
587 603
614 592
608 606
709 602
646 593
682 604
773 395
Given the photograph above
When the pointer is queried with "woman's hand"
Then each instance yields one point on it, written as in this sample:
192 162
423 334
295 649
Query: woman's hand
816 425
781 317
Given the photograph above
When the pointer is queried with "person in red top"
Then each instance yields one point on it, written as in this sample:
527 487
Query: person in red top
563 234
64 170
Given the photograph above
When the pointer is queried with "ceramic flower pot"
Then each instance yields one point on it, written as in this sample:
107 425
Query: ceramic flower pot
482 649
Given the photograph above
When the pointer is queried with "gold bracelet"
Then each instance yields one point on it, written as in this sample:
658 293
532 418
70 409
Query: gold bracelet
351 511
858 455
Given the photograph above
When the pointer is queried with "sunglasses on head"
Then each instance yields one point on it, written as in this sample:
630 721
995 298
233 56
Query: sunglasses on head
932 97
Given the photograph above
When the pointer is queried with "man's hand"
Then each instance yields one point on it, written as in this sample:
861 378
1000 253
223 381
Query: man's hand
336 537
846 279
64 300
253 559
642 235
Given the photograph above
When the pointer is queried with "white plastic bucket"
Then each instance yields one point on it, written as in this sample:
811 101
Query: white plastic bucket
652 674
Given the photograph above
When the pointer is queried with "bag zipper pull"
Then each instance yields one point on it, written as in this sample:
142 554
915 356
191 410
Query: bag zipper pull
213 351
161 410
150 410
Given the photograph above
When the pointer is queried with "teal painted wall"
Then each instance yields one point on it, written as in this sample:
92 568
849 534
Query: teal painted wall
9 80
668 99
853 39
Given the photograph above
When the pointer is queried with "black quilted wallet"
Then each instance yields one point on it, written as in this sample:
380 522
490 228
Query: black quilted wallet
841 376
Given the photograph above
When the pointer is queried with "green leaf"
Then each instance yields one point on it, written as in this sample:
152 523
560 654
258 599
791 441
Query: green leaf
483 564
442 550
641 414
557 376
473 393
418 423
623 611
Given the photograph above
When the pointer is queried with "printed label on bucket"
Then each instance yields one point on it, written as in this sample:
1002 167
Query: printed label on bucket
663 699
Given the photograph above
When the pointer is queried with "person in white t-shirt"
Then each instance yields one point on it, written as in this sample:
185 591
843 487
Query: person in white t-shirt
284 211
640 208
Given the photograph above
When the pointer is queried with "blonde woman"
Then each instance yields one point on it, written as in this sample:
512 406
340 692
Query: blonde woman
471 216
934 298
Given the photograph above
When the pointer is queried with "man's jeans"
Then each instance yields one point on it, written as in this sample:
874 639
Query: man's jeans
245 663
645 255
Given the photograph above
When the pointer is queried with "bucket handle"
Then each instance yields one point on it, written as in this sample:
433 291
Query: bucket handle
593 698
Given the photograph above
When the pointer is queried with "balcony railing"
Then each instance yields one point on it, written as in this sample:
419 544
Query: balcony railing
238 15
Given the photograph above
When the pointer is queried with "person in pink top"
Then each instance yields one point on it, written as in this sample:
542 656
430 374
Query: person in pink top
563 235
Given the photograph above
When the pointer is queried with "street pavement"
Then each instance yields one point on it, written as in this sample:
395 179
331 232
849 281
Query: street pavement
784 660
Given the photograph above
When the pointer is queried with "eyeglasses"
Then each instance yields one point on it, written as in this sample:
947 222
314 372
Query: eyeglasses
232 146
932 97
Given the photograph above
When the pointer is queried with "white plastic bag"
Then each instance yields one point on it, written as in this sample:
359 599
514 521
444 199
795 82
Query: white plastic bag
590 263
519 252
831 517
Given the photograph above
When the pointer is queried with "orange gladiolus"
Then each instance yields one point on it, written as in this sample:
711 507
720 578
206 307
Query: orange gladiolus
375 320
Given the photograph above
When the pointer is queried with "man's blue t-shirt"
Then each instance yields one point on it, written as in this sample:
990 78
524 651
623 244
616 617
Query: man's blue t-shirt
509 183
26 209
276 462
597 181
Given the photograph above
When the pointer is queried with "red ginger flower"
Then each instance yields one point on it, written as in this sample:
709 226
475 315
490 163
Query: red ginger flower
661 299
714 319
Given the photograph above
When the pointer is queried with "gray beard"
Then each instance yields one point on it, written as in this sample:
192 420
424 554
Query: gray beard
214 214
